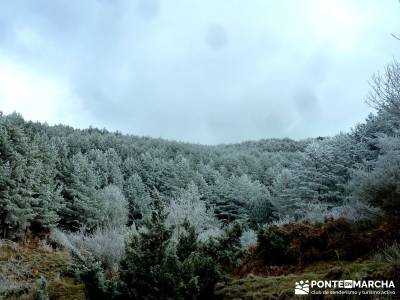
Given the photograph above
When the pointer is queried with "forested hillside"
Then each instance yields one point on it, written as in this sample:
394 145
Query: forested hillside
141 215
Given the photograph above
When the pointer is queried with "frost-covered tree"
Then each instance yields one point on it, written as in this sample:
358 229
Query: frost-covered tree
16 177
114 206
324 170
284 198
188 206
114 174
236 195
378 182
16 212
320 176
385 94
83 207
106 166
137 196
261 209
156 173
47 200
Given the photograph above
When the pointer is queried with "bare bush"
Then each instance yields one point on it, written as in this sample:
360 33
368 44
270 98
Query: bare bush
283 220
61 239
214 232
248 239
45 246
8 244
189 207
115 206
351 209
385 93
105 244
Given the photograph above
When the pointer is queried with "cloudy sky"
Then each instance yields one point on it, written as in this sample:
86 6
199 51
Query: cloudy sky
204 71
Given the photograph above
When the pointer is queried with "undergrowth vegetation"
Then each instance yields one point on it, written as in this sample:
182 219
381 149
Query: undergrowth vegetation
36 271
279 284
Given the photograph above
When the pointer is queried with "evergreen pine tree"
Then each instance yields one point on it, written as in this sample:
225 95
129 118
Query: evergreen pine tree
83 207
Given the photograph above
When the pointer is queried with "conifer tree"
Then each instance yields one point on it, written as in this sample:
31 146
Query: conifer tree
48 201
83 207
149 266
16 178
137 196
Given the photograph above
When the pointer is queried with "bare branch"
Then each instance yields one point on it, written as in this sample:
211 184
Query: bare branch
385 90
396 37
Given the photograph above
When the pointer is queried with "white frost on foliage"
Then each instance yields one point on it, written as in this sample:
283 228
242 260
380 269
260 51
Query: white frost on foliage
188 206
248 239
104 244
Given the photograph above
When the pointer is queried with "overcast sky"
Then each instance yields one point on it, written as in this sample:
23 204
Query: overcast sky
204 71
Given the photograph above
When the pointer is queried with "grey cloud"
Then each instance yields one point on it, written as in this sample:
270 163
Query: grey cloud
216 36
306 102
199 71
149 8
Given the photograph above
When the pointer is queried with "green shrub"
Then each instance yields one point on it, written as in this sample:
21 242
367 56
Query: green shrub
149 267
89 270
160 265
272 245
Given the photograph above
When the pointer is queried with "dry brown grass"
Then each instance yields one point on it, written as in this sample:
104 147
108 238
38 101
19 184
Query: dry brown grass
22 265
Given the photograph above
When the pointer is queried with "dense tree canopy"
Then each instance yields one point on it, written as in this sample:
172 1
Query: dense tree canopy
57 175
